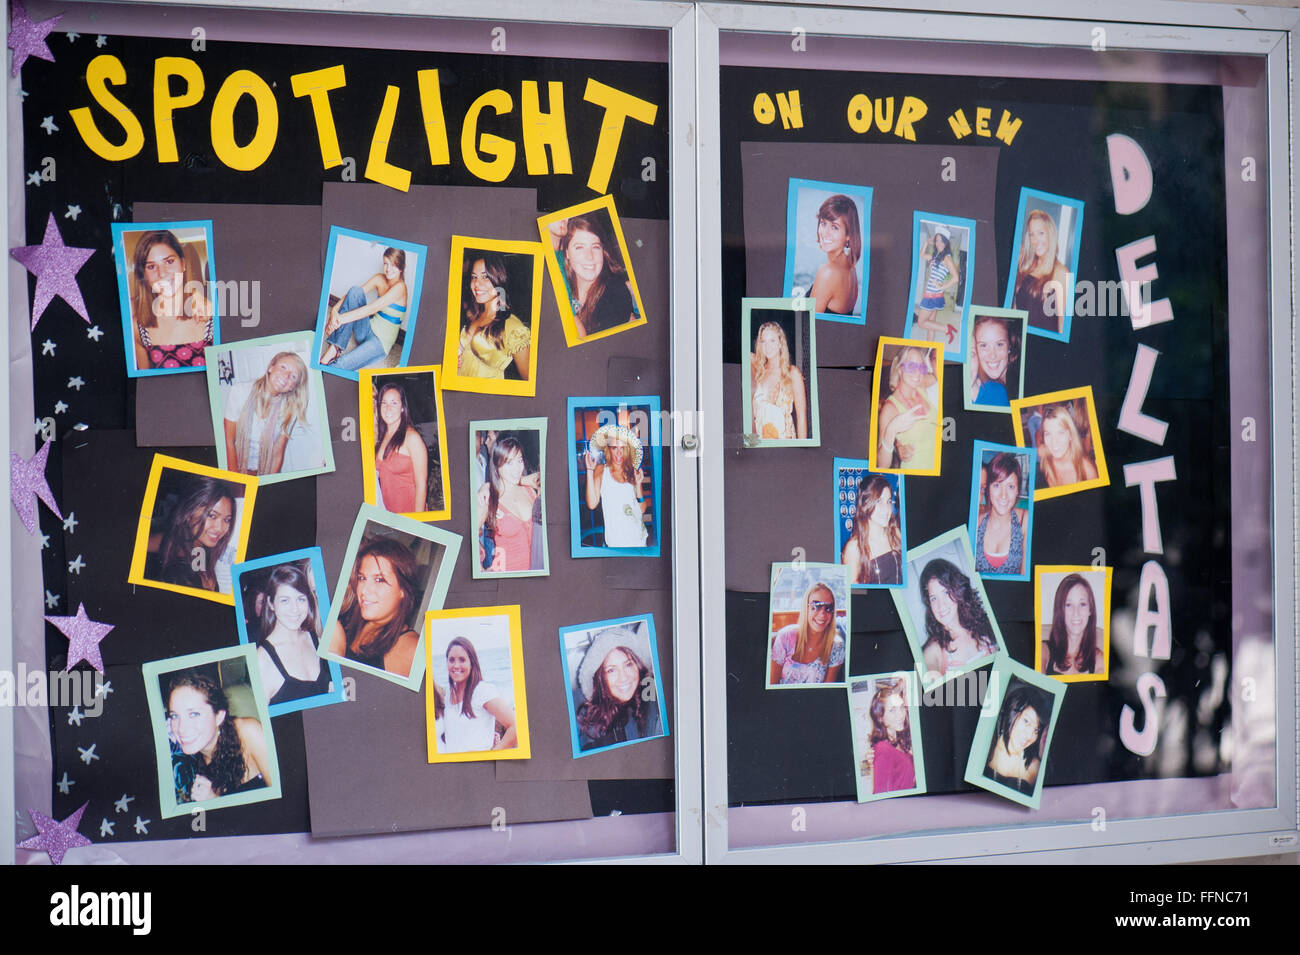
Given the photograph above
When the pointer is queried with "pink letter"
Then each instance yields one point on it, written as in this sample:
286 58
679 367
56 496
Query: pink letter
1131 418
1150 688
1147 474
1130 174
1153 582
1133 278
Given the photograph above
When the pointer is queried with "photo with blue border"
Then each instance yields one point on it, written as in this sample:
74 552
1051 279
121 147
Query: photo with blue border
849 473
574 643
187 232
321 595
803 255
413 276
961 241
585 416
983 453
1067 254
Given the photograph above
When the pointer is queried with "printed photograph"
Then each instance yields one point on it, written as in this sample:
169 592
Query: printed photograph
615 493
870 525
165 276
1009 754
808 626
1072 620
884 714
943 263
612 673
1001 520
995 359
779 396
827 247
906 407
404 442
1045 261
507 499
369 302
1062 429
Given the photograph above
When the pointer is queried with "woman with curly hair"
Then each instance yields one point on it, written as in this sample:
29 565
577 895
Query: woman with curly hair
1015 757
874 554
618 687
286 653
813 649
490 336
373 324
1073 644
594 273
213 753
197 536
958 631
777 398
173 318
473 708
1041 279
1061 457
263 417
401 456
1000 533
374 624
890 757
839 235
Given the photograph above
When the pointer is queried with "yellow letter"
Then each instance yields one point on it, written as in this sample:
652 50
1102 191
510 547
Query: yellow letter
103 70
544 129
960 124
378 168
164 103
764 109
860 113
982 115
317 85
1007 129
791 111
502 150
618 107
912 110
256 151
435 127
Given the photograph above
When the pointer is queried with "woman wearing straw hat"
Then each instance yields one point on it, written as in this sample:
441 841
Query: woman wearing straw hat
614 485
940 279
618 686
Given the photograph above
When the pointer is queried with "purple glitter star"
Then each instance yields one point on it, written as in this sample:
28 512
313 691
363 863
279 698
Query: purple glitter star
55 266
27 38
56 837
83 636
27 482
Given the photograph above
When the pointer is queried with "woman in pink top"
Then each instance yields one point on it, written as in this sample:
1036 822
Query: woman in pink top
890 756
401 458
505 509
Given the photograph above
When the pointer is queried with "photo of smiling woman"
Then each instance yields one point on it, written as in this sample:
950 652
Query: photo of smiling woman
601 293
1001 510
613 685
886 736
906 407
1015 759
994 364
1073 617
827 228
808 625
508 509
1041 282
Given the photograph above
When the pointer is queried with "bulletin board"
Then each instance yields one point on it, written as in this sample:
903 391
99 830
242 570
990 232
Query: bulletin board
294 168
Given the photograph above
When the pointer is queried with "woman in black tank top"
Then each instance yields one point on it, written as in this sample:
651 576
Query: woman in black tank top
291 668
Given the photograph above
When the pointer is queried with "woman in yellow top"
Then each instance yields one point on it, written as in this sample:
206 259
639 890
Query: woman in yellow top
490 337
374 324
908 418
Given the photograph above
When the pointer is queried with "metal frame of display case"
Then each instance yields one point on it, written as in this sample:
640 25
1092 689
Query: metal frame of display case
1129 26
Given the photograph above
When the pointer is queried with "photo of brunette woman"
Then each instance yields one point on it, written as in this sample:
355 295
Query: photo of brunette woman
1001 511
906 407
599 293
1015 757
886 737
1045 261
193 531
164 271
269 409
212 732
368 303
404 442
614 476
1062 428
613 684
808 626
869 525
1073 622
827 230
508 510
941 261
994 363
475 674
392 569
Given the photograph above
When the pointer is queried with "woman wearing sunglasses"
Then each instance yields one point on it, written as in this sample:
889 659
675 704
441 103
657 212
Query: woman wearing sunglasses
908 418
812 650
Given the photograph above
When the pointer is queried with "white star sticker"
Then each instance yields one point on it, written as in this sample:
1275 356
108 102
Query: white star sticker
76 382
45 542
74 566
105 828
39 424
101 40
75 716
51 600
47 347
142 825
34 178
70 523
88 754
72 213
47 124
60 407
94 331
72 36
65 783
104 689
120 805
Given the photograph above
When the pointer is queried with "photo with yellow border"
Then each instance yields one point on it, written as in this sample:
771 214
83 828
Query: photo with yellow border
1053 586
1073 415
420 391
487 641
602 233
477 363
916 451
176 487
